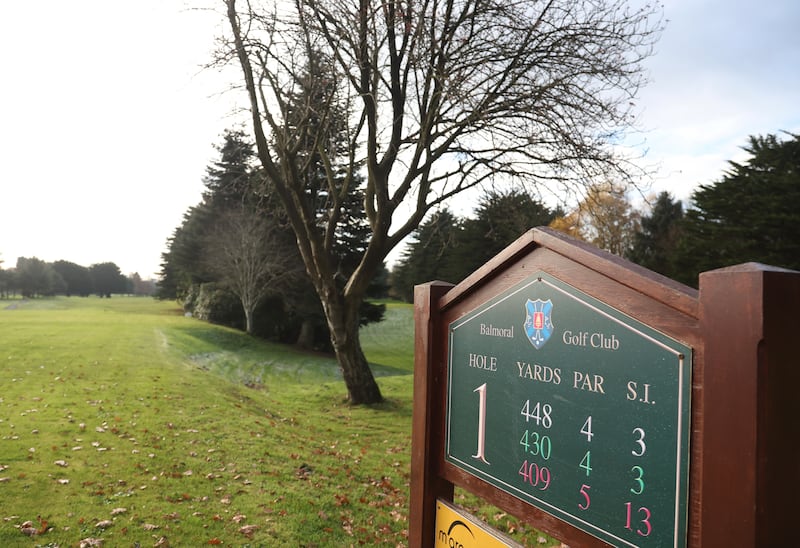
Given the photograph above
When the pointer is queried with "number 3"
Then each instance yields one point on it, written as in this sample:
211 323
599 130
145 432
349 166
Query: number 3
640 443
639 479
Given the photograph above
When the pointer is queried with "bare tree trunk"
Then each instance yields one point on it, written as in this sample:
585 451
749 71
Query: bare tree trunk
361 385
343 321
248 315
306 337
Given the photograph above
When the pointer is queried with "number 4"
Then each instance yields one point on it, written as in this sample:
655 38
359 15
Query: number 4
586 463
586 429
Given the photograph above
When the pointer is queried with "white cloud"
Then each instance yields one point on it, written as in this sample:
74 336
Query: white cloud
723 70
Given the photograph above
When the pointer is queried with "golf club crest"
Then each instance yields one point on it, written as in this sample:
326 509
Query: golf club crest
538 321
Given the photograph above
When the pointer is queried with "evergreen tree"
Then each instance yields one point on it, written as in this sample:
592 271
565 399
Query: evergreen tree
229 184
107 279
500 218
450 249
208 249
655 245
230 180
751 214
429 255
34 277
182 264
77 278
7 282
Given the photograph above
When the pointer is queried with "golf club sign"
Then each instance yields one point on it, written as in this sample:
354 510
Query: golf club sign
564 402
606 405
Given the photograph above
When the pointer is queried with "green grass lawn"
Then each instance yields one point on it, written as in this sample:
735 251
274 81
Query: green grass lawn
123 420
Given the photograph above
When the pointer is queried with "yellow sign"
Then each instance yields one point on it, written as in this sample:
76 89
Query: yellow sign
457 529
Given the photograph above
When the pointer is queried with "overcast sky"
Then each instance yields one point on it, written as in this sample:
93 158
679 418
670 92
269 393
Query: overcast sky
107 122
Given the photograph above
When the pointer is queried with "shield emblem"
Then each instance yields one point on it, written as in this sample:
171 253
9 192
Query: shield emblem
538 321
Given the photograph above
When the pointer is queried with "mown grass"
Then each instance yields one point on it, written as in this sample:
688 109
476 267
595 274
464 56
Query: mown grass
124 421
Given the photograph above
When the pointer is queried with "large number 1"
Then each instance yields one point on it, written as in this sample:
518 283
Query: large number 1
481 453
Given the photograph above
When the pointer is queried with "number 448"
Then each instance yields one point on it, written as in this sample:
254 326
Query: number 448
539 412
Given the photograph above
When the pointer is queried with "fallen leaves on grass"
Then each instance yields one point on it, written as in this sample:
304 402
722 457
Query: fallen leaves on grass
29 527
341 500
30 531
90 542
303 471
347 525
248 530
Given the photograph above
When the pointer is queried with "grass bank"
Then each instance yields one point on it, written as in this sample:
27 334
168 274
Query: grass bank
122 420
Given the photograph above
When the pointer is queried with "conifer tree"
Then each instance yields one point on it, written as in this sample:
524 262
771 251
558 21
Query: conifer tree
655 245
751 214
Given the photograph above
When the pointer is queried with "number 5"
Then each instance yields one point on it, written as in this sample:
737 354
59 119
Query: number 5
583 491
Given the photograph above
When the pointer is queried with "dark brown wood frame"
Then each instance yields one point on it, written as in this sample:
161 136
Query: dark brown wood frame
740 324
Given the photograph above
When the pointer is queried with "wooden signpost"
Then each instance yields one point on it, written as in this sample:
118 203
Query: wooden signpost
605 404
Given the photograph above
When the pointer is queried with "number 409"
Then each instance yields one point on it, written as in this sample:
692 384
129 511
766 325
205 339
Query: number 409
535 475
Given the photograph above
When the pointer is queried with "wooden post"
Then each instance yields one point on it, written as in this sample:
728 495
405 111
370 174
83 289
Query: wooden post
750 477
426 447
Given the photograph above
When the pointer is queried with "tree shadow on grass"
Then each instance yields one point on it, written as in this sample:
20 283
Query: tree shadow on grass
251 361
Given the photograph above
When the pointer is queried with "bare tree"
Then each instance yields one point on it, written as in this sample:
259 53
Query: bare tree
249 257
441 96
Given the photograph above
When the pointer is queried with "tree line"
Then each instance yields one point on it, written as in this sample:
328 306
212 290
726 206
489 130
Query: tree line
33 277
751 214
234 258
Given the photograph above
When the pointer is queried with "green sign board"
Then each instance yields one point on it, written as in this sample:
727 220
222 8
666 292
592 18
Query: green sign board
574 407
